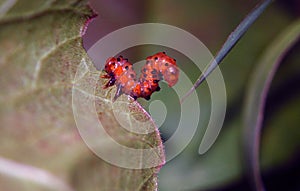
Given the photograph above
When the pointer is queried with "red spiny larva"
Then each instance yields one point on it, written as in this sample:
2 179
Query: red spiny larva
158 66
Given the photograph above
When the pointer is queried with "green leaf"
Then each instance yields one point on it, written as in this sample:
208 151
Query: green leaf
280 141
220 165
41 149
257 93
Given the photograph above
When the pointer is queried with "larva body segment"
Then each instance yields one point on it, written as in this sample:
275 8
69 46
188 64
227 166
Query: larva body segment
158 66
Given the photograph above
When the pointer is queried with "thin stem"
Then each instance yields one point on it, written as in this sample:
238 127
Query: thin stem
230 43
256 96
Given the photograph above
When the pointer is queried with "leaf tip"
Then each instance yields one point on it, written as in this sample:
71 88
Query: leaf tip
93 14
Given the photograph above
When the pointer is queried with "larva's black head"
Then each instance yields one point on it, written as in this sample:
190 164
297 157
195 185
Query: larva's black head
110 65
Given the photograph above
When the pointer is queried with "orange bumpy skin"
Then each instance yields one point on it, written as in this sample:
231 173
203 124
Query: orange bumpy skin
120 73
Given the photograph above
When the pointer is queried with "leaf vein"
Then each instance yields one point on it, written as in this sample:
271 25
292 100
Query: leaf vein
45 55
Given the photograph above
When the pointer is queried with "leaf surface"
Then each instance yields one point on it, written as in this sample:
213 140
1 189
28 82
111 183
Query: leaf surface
41 148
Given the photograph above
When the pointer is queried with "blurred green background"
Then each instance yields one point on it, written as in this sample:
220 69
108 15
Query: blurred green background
222 167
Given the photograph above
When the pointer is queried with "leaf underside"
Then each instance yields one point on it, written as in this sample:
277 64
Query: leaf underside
41 49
